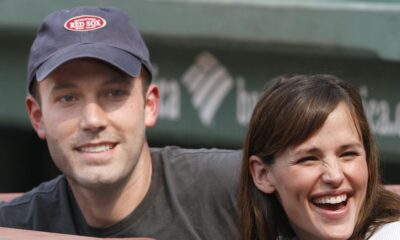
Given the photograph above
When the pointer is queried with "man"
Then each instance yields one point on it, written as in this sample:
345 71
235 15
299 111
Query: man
91 98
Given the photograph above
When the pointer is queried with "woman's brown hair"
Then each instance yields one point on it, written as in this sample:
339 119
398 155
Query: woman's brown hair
288 113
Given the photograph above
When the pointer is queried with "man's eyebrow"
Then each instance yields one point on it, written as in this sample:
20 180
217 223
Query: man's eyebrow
62 86
120 79
114 80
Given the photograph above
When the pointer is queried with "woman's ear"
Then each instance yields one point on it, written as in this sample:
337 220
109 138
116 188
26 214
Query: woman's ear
262 175
35 116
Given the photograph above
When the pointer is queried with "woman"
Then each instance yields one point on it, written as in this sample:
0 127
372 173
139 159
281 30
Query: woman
310 167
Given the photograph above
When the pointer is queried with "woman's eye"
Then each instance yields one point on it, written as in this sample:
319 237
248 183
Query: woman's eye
350 154
307 159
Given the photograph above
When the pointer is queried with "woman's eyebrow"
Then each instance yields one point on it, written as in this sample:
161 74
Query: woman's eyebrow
351 145
305 150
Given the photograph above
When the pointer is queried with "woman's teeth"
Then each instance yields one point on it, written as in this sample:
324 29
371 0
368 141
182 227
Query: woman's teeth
330 199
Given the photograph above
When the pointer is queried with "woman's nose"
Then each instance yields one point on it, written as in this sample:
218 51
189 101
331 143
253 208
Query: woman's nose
333 173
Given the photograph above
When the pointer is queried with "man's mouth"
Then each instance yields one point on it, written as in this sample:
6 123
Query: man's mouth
332 203
96 148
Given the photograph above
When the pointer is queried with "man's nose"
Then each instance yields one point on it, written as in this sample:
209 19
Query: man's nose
93 118
333 173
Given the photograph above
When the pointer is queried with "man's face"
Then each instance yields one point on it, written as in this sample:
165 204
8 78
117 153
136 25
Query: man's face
93 117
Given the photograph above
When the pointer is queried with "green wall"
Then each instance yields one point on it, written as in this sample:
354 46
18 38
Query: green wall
214 57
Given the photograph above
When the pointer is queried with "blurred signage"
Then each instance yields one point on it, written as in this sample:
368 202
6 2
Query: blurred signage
208 83
206 97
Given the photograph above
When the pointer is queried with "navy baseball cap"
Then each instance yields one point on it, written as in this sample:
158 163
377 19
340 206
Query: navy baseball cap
106 34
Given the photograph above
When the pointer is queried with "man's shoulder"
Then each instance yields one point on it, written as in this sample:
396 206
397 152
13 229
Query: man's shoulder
172 153
44 189
40 198
203 183
203 166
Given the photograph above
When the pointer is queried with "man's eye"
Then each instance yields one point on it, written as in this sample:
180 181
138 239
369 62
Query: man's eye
67 99
116 93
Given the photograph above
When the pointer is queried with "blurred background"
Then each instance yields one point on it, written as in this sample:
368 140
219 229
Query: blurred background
212 59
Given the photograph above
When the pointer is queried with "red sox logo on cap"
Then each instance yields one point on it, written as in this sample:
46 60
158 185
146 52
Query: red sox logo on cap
85 23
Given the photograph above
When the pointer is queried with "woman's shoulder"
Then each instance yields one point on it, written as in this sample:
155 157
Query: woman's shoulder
388 231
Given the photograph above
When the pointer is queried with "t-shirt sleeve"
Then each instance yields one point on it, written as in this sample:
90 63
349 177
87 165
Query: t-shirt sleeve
389 231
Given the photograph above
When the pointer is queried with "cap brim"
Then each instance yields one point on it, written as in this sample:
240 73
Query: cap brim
119 58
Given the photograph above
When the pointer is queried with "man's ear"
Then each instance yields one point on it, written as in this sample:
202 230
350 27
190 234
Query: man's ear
152 105
35 116
262 176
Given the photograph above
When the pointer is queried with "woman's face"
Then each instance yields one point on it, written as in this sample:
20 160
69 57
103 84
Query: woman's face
322 182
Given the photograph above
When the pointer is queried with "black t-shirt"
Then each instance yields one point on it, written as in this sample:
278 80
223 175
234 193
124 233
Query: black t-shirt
192 196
